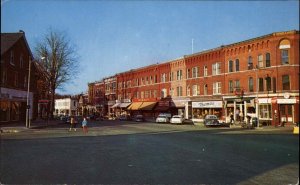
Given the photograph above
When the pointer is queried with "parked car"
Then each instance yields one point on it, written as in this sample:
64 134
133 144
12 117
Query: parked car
177 119
168 115
124 118
211 120
139 118
162 119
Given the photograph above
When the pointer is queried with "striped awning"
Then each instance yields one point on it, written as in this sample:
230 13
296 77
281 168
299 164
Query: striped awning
147 106
135 106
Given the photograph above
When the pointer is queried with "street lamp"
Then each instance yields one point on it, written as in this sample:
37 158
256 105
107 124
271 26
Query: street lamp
256 106
28 88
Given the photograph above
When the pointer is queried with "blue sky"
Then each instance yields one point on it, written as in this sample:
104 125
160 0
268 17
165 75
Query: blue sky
116 36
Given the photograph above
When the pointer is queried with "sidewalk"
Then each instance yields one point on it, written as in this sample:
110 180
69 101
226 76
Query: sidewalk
19 127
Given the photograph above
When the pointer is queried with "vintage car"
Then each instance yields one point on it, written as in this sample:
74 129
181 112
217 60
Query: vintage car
211 120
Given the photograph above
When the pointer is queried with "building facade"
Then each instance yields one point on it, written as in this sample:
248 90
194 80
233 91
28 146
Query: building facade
16 59
258 77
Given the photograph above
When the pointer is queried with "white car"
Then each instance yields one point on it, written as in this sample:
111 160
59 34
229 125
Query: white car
162 119
177 119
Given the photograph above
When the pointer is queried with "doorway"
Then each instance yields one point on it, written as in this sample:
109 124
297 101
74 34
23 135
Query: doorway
286 113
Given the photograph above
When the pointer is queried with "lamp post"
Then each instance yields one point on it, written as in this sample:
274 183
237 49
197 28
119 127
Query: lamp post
256 105
28 88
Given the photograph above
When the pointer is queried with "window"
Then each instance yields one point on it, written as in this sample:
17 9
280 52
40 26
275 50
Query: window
163 93
16 80
285 82
12 60
268 60
260 84
237 65
284 56
188 91
187 73
142 94
230 86
216 69
151 80
205 89
196 90
250 84
179 91
205 71
265 111
155 79
250 63
230 66
260 61
284 46
179 75
274 85
237 85
195 72
163 77
217 88
268 83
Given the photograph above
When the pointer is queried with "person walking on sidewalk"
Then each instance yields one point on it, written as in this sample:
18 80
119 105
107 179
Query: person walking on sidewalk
72 124
84 126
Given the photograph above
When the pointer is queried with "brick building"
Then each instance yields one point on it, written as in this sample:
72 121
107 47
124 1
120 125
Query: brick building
15 59
258 77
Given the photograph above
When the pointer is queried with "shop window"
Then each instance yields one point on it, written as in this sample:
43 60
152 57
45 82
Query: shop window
268 60
230 66
265 111
250 84
250 63
237 65
285 82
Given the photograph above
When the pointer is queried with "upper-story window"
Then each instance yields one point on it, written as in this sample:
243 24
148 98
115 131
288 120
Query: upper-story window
268 83
179 75
230 66
286 82
284 47
16 79
188 73
188 91
268 60
250 84
163 77
205 92
151 80
21 61
216 88
195 72
196 90
260 61
216 69
205 71
237 65
250 63
179 91
260 84
12 58
163 93
230 86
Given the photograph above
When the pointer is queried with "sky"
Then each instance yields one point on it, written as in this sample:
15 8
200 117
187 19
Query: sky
116 36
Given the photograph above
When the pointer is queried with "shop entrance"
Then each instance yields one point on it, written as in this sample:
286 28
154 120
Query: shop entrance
286 113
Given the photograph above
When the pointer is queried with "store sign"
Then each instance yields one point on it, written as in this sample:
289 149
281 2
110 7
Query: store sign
286 101
207 104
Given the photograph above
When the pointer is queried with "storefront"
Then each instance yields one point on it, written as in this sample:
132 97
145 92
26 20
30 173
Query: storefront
120 107
144 108
285 110
265 111
178 106
203 108
13 105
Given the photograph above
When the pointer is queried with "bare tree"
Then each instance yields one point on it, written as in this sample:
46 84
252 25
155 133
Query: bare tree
59 58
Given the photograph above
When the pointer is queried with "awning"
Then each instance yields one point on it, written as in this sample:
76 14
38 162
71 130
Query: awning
135 106
147 105
178 104
116 105
161 108
124 105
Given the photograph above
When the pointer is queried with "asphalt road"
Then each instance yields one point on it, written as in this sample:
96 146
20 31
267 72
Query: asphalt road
148 153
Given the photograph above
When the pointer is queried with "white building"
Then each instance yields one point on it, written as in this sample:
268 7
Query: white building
66 106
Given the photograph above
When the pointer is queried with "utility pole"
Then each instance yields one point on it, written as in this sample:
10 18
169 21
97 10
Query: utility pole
28 88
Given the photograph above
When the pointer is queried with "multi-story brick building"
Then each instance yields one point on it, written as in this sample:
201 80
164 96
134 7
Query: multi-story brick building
258 77
15 59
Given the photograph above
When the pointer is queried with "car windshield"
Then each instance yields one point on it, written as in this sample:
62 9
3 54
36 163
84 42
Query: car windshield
177 116
162 116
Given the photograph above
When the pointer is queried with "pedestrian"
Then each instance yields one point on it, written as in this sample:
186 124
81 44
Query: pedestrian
72 124
231 118
84 126
241 116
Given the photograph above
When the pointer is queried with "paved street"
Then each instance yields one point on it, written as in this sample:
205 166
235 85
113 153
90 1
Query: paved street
147 153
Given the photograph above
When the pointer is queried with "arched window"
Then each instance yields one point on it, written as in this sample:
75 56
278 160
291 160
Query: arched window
284 47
